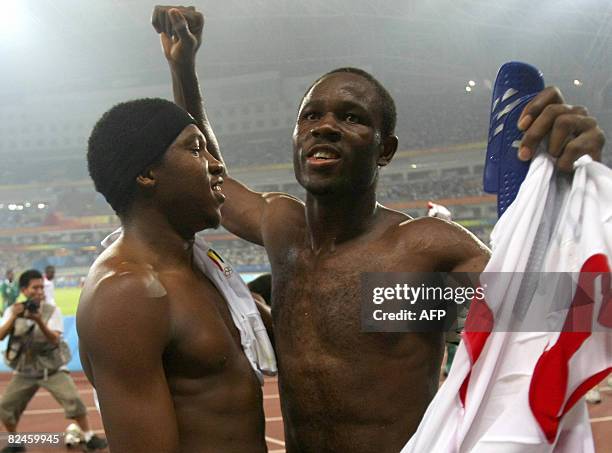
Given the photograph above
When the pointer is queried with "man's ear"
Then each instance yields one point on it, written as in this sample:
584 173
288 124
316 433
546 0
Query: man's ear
388 149
147 179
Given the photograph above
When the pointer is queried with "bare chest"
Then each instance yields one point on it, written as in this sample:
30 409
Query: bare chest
205 341
317 299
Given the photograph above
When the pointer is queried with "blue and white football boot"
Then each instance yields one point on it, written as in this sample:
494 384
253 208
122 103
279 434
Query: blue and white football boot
516 84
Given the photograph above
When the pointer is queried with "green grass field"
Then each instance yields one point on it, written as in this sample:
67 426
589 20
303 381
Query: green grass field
67 300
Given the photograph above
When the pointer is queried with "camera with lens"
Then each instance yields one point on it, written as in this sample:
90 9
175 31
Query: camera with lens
30 306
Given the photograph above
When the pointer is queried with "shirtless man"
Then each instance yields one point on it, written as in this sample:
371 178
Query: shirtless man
157 339
343 390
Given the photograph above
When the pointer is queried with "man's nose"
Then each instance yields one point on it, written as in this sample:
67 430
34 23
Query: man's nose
327 128
215 167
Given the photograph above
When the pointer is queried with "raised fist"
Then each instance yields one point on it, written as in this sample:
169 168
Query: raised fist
180 30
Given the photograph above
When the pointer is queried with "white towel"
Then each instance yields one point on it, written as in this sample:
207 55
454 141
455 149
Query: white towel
511 392
253 336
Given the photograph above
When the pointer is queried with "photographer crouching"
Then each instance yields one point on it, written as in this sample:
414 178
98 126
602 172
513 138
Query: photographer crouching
38 355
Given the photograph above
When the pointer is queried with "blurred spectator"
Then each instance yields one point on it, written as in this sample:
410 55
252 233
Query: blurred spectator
9 289
49 285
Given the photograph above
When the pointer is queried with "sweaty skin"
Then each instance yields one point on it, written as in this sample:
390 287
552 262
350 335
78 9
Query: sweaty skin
343 390
177 363
156 338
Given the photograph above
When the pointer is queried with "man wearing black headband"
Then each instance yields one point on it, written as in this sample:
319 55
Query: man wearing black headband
156 337
344 390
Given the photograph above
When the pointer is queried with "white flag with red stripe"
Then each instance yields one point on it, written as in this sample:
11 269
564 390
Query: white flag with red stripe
518 391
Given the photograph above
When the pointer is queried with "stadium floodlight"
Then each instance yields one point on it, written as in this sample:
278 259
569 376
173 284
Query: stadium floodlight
20 207
577 83
1 205
13 17
28 204
471 83
468 89
413 166
41 206
12 207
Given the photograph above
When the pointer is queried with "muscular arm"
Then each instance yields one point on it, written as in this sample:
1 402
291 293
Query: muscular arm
244 210
122 335
471 256
464 252
455 250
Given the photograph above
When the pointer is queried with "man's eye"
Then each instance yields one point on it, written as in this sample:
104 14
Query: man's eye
196 152
350 118
310 116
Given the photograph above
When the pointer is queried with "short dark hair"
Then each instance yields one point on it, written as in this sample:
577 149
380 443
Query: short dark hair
387 104
128 138
262 285
27 276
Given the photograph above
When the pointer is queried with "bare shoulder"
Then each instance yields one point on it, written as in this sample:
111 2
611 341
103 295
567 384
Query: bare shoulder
392 216
122 299
436 226
282 201
283 213
112 281
447 241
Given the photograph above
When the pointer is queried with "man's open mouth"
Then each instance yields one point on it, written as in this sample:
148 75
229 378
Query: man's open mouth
320 153
216 186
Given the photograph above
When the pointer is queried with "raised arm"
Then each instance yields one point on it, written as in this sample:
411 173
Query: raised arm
122 337
180 33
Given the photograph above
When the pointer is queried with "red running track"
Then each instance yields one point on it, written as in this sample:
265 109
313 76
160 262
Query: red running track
44 414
